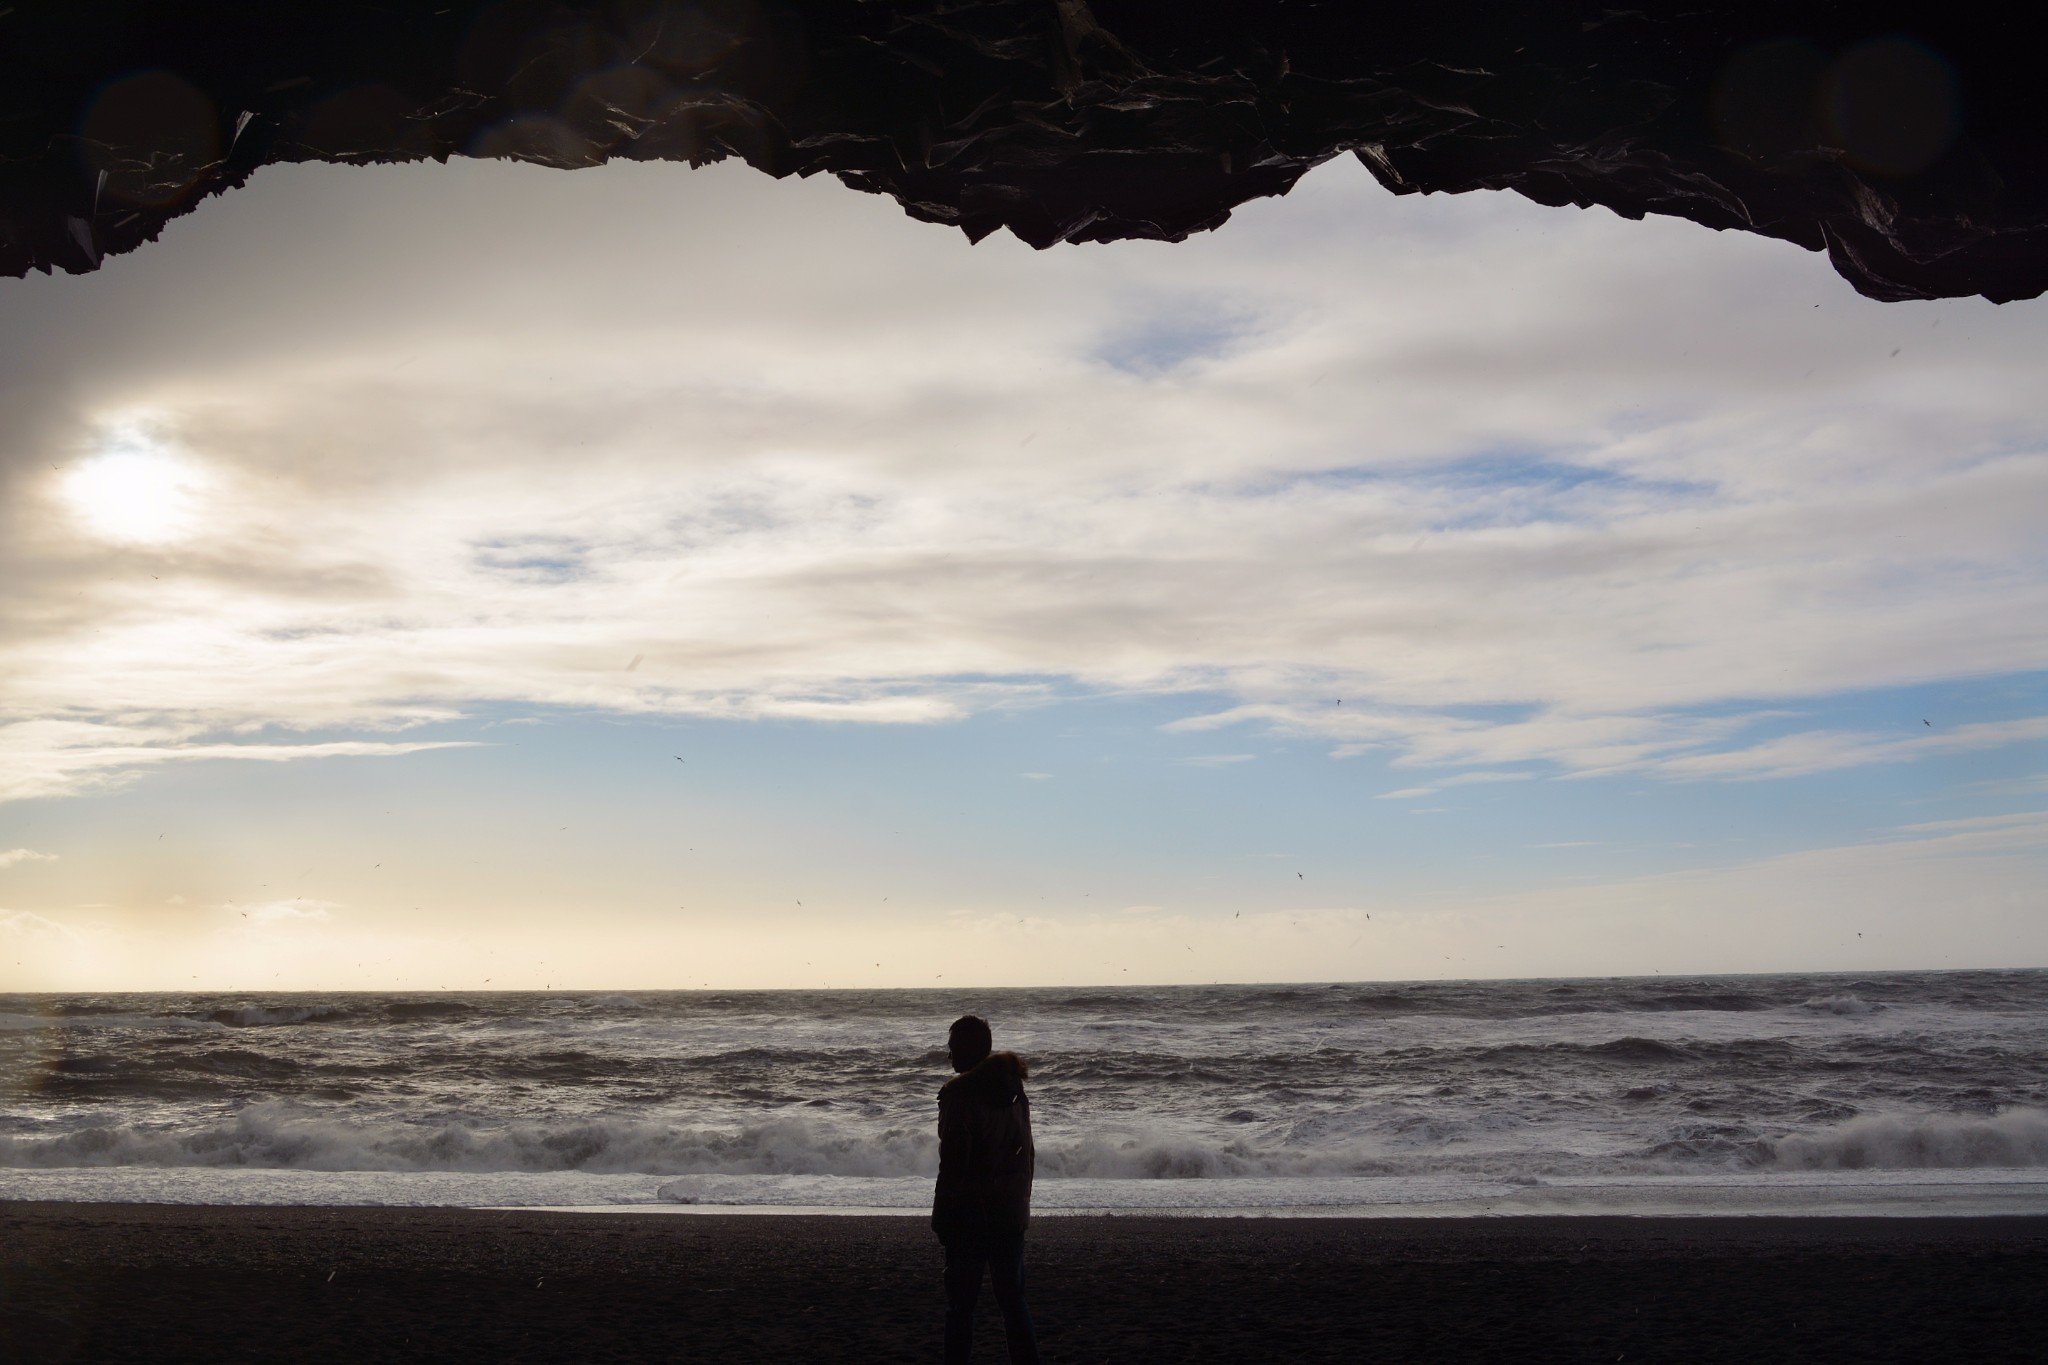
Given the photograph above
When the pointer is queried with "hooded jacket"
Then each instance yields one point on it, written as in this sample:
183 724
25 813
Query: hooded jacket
986 1159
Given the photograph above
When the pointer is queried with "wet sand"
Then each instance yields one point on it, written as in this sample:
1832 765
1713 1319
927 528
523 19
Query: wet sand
93 1282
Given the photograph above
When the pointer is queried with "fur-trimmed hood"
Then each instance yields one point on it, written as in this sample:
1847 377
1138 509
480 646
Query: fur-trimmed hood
995 1078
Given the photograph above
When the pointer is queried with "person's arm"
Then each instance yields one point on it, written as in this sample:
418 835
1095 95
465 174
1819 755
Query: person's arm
949 1197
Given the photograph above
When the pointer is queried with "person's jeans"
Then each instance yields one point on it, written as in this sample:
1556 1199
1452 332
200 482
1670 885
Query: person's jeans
1003 1260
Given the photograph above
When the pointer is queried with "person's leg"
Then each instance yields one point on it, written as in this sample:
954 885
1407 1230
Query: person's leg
964 1264
1006 1277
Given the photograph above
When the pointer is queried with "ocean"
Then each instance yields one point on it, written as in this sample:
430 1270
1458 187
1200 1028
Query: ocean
1889 1093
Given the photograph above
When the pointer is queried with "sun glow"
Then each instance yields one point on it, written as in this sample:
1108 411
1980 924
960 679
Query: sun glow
135 490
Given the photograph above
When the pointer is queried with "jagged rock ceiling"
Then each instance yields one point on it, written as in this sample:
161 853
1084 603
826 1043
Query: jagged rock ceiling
1905 141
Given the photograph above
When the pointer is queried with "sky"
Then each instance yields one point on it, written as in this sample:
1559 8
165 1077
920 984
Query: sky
489 577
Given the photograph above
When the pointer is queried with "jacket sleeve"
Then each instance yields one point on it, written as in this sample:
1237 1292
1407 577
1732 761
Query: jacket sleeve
950 1197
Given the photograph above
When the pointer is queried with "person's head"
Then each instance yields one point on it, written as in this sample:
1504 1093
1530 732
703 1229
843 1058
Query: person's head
968 1042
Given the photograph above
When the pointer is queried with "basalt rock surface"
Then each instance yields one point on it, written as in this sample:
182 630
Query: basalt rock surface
1907 141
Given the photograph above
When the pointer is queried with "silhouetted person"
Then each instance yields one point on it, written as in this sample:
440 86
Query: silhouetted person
983 1199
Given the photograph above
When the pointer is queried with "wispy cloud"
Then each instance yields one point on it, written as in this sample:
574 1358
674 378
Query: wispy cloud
47 758
28 925
2035 821
1470 779
1815 751
1457 780
271 913
12 856
1217 760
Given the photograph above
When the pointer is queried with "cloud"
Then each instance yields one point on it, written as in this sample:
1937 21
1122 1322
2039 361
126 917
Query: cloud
10 857
1217 760
27 925
1816 751
271 913
2029 824
1456 780
49 757
950 479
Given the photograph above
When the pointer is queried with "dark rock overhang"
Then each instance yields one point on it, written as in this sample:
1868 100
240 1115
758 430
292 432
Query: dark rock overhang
1906 141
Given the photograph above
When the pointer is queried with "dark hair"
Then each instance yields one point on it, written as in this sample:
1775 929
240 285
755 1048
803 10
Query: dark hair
971 1037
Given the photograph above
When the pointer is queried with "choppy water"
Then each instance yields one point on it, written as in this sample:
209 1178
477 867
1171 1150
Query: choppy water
1174 1097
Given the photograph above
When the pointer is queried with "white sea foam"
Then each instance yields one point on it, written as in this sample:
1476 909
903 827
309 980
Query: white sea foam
281 1136
1978 1191
275 1136
1845 1003
2016 1138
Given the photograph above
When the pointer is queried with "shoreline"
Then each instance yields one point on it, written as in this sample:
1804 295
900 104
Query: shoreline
114 1282
1933 1192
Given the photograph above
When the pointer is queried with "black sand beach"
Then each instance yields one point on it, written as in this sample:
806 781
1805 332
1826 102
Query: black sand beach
159 1283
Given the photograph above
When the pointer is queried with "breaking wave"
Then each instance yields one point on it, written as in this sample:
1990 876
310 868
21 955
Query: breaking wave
1845 1004
2018 1137
278 1136
283 1137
